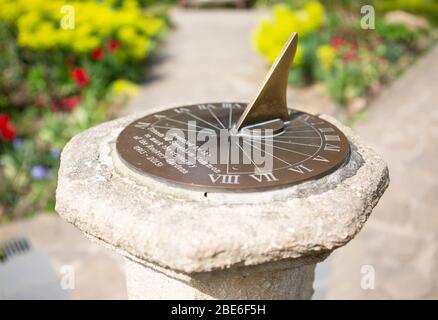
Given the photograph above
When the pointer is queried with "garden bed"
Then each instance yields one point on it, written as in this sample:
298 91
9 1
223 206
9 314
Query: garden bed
352 62
57 80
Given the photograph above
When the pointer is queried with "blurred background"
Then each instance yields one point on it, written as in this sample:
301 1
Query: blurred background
68 65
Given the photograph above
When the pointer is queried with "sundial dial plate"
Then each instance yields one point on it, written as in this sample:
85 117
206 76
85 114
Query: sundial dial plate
307 148
236 146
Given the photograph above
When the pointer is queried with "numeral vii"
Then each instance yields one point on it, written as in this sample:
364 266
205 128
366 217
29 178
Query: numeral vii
302 169
320 158
269 177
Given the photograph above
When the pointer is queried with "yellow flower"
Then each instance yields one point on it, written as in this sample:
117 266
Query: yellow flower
122 86
272 32
150 26
95 23
315 14
127 35
261 38
28 21
326 56
298 60
86 44
141 48
130 4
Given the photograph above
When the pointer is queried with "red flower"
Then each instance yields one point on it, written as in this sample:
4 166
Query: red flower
97 54
56 104
337 42
80 76
113 45
7 131
69 103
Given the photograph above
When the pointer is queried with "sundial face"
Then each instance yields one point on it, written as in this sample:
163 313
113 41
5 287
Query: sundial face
232 146
307 148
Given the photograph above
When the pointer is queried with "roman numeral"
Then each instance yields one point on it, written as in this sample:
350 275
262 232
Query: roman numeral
302 169
227 105
320 158
269 177
332 147
225 178
231 106
181 110
309 119
205 107
326 130
142 125
306 118
331 137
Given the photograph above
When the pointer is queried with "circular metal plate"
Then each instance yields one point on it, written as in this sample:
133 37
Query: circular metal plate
194 146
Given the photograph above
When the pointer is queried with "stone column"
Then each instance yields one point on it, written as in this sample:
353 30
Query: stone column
184 244
277 280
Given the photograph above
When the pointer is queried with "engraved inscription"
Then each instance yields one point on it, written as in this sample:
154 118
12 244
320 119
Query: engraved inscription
195 146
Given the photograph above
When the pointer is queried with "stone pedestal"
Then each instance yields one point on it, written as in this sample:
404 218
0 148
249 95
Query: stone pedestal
184 244
276 280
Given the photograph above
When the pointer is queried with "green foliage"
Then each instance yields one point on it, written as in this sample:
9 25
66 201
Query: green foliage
395 32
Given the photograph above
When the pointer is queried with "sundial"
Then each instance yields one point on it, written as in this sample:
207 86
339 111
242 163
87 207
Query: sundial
235 146
194 224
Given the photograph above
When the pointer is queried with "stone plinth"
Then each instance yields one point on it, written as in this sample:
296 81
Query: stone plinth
189 244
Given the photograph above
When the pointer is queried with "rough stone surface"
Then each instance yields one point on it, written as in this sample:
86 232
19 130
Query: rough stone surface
273 282
187 232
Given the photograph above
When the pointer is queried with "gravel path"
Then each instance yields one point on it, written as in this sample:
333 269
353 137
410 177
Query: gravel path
207 57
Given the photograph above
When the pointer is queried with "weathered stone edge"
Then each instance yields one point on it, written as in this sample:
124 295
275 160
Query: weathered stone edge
195 261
